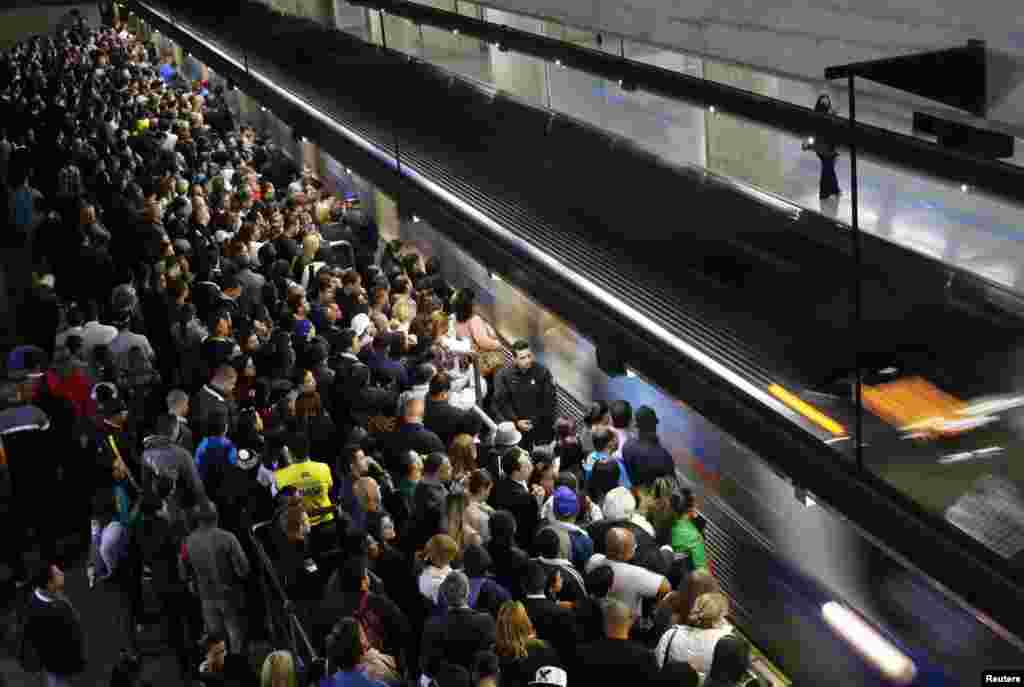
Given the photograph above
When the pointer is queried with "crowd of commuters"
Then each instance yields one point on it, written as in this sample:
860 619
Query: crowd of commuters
220 362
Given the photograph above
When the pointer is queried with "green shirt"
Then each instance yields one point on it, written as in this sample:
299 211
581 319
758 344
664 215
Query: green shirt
686 538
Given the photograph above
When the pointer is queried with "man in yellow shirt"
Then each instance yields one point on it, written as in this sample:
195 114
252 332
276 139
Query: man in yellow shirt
311 479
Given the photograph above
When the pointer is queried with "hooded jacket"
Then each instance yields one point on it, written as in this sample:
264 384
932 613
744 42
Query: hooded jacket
162 456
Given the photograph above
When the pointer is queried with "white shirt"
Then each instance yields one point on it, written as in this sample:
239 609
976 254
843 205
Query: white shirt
63 336
126 340
95 334
632 584
692 645
430 581
170 140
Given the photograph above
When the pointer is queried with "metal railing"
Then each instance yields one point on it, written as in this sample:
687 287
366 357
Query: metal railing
286 629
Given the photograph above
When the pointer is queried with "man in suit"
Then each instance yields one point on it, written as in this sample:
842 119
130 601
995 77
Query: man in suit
444 419
429 501
553 623
252 285
455 637
411 435
511 493
215 398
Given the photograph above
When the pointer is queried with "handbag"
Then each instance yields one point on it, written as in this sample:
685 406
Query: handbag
488 362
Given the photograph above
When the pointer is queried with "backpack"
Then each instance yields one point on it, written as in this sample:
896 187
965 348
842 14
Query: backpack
135 370
155 473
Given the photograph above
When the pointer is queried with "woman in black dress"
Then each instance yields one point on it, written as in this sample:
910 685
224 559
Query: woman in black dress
828 185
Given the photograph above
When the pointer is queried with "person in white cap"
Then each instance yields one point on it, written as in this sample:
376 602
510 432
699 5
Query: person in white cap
506 436
550 676
363 328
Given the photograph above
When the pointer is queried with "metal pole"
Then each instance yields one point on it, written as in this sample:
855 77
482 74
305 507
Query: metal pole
857 294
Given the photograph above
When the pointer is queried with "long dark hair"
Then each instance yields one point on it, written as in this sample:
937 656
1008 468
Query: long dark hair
464 305
824 104
729 663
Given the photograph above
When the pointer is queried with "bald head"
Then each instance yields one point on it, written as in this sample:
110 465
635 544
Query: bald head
620 544
618 619
367 493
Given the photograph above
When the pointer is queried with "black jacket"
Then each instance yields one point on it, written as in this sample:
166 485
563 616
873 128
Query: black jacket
446 420
54 630
509 565
409 437
510 496
526 395
647 460
205 403
455 638
554 625
615 662
428 514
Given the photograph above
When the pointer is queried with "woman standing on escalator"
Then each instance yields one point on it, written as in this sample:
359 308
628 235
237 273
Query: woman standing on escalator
828 184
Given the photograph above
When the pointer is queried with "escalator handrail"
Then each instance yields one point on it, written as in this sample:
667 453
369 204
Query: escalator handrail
271 573
924 157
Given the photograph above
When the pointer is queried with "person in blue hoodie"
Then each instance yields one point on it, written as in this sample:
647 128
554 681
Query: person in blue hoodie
214 454
604 452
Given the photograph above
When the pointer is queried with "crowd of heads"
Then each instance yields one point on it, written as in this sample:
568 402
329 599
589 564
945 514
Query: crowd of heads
278 337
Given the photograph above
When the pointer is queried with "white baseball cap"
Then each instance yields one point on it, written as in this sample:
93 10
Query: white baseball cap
550 676
360 323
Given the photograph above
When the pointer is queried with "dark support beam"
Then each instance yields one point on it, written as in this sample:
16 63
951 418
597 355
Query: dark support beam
955 76
969 139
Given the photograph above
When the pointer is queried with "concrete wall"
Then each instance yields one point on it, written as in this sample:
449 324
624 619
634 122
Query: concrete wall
22 22
799 39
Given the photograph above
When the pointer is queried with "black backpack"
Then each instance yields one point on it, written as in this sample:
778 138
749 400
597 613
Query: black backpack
135 372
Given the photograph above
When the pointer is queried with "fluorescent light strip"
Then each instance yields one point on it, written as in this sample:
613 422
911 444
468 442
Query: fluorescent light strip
882 654
613 302
970 455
